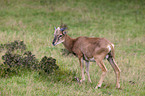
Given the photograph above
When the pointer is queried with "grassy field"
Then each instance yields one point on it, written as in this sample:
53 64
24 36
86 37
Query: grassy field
33 21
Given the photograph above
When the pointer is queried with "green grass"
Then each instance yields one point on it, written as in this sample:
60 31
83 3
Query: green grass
33 21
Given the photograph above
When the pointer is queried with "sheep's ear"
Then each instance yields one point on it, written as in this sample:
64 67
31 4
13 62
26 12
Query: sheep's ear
62 29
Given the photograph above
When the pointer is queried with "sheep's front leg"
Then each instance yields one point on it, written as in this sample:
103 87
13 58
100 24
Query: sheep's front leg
82 69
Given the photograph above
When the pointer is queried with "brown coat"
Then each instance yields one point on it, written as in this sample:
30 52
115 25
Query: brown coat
87 47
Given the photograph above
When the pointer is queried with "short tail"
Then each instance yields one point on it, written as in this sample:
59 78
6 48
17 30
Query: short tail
112 50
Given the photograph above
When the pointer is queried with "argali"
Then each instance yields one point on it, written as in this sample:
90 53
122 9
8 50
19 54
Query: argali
89 49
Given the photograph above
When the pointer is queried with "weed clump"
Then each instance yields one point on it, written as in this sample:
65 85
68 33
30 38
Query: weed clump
48 64
26 60
13 46
65 52
15 62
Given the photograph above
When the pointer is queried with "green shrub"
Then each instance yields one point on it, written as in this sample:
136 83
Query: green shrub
13 63
13 46
48 64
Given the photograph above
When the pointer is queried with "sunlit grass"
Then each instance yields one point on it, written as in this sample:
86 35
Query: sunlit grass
33 21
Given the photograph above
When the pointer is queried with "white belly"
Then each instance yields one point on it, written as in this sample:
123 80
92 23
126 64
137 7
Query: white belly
89 59
92 59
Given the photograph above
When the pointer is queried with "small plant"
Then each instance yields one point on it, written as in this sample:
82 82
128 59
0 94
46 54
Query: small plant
13 46
48 64
65 52
13 63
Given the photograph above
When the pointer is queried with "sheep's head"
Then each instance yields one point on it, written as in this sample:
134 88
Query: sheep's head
59 36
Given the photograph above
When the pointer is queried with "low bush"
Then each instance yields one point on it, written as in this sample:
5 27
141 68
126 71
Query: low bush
48 64
65 52
14 63
13 46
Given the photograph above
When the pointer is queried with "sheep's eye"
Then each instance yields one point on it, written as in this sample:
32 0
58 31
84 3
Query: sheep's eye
60 35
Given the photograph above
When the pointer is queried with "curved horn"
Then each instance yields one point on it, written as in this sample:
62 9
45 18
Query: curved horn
55 30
